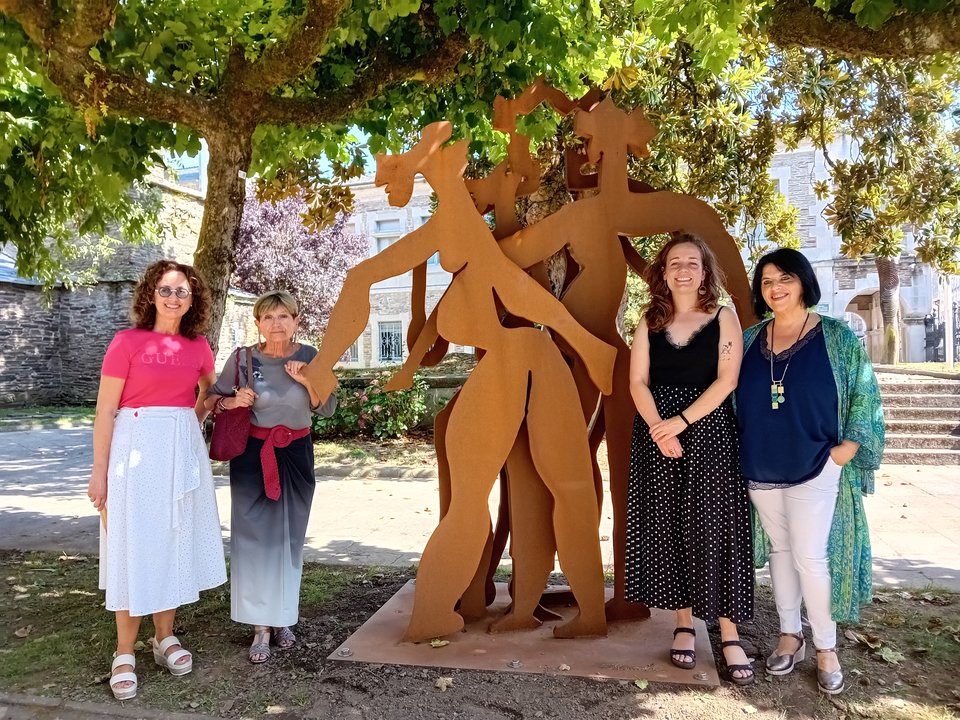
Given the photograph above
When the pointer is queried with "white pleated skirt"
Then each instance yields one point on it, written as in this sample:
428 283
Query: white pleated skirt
162 543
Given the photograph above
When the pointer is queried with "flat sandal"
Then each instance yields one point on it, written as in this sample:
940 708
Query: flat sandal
688 661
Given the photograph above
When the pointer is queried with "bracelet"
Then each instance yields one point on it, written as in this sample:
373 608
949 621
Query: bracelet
220 407
684 418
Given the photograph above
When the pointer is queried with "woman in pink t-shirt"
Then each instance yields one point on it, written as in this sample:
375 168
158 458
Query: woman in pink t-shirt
160 540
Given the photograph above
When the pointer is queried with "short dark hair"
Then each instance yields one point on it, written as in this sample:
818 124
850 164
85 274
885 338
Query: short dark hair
793 263
144 313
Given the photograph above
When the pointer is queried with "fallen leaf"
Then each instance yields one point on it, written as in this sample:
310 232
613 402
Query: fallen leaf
641 684
564 667
890 655
871 641
438 643
24 631
443 683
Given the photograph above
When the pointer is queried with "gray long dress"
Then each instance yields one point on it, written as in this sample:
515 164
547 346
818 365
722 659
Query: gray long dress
266 536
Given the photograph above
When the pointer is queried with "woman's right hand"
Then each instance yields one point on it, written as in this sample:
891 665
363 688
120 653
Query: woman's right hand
97 491
671 447
245 397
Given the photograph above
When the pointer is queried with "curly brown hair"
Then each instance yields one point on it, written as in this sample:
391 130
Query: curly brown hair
143 312
660 310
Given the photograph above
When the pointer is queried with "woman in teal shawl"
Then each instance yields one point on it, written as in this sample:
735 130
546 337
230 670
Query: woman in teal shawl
810 444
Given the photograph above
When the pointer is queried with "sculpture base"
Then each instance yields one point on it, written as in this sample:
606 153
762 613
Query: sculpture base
632 650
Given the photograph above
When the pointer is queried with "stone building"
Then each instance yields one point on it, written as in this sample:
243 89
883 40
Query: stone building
53 340
851 288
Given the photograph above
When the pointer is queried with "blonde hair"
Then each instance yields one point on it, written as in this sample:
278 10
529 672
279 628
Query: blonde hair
275 298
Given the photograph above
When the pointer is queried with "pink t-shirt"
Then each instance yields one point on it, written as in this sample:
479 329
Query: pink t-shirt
160 370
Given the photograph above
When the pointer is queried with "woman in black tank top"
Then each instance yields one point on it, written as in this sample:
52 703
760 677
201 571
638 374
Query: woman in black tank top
689 544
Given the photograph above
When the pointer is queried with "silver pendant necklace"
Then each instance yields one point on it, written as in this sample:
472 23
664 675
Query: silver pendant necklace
777 396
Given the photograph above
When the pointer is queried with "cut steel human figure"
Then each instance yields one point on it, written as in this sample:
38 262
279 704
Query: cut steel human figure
517 175
590 228
493 402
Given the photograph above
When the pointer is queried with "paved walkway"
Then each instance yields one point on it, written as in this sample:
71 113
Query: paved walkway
384 516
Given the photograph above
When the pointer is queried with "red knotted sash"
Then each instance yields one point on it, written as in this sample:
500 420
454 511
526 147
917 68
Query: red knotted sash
278 436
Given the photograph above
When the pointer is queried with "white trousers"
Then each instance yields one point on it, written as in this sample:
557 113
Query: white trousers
797 519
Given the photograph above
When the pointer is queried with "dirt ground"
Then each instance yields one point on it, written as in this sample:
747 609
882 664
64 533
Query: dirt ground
56 639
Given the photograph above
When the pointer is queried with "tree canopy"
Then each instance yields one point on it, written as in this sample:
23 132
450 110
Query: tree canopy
91 90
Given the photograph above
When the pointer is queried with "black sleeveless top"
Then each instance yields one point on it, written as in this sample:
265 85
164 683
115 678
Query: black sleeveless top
693 364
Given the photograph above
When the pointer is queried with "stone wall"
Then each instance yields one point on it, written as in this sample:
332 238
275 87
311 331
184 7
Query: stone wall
53 344
29 329
89 318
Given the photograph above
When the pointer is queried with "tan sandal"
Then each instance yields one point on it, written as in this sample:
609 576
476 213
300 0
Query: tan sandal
284 638
260 649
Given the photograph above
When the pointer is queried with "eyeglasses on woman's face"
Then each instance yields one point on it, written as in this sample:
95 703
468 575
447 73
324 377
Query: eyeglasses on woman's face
180 292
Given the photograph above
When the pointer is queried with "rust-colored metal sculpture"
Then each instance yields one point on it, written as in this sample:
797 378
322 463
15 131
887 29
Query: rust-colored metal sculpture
525 409
521 375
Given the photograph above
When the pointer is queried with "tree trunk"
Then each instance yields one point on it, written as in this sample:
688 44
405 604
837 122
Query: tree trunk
888 270
226 190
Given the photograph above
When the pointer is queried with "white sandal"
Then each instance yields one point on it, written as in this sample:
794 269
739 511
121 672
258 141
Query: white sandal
127 693
170 661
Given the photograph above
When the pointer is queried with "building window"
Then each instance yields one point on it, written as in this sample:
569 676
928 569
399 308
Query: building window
391 341
391 225
352 355
387 232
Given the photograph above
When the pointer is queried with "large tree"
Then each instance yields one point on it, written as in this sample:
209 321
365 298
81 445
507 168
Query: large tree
271 86
898 170
90 90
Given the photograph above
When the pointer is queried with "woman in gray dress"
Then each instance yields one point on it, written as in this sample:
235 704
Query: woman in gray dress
272 481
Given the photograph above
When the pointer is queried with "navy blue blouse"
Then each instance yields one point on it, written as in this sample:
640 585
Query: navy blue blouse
791 444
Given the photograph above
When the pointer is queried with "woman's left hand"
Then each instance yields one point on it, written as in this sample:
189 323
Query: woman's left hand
294 369
666 429
843 453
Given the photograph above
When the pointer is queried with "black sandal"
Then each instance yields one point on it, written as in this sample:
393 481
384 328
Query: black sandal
688 658
746 679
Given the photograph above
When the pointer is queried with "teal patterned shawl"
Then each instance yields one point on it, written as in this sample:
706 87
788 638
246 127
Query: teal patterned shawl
861 420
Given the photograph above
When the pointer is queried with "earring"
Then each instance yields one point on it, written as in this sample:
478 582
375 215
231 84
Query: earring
702 290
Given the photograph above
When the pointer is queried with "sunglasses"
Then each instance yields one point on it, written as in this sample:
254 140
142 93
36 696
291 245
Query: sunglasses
180 292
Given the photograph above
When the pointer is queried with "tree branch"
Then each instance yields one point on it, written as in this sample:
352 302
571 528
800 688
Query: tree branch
796 23
34 16
77 75
87 22
290 59
385 70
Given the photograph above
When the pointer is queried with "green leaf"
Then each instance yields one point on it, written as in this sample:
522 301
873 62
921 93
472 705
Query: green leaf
889 655
873 13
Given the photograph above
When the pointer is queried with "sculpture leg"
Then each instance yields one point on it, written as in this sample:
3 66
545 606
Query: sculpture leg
532 543
619 411
558 441
480 433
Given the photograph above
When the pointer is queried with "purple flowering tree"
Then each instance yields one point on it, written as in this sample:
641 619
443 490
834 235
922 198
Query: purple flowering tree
275 251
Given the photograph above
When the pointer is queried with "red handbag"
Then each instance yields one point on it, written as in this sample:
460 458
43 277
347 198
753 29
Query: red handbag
231 428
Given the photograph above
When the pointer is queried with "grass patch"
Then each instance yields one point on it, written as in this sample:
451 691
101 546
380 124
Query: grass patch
38 417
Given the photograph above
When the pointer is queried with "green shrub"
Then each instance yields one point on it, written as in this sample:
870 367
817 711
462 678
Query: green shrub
371 411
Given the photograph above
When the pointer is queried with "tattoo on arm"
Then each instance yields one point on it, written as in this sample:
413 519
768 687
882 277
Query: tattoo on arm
726 349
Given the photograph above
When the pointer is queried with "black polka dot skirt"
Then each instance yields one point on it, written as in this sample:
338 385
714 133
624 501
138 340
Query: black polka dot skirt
689 540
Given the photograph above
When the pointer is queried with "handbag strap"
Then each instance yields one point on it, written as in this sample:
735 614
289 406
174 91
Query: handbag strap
250 366
236 368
